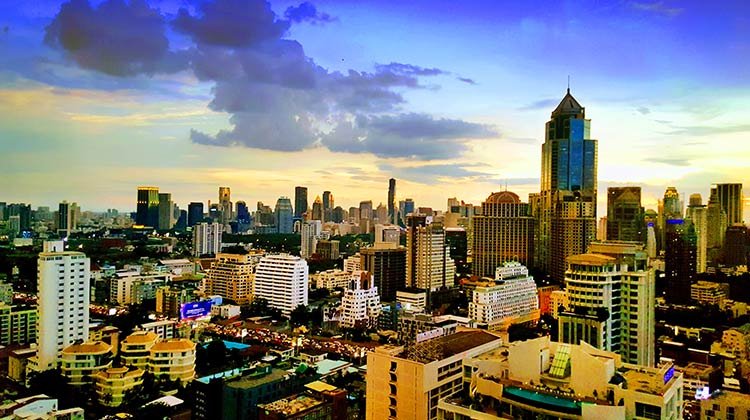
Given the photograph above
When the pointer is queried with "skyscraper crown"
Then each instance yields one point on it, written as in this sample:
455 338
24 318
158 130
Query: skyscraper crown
569 106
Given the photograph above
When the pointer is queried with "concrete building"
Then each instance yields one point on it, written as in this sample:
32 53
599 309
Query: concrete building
430 266
353 263
165 329
310 233
226 311
132 287
558 302
17 324
511 299
387 264
300 201
387 233
697 214
135 349
179 266
80 361
282 281
414 300
624 220
680 259
174 358
543 379
730 197
327 249
332 279
737 341
113 384
63 302
232 276
708 293
360 303
225 204
726 405
39 407
504 231
407 383
169 299
207 238
166 211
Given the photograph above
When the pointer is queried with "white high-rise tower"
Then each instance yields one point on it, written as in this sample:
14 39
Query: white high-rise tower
282 281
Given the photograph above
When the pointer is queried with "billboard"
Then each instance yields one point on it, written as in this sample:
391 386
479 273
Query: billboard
193 310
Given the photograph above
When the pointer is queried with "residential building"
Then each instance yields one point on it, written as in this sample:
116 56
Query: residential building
207 239
408 383
6 293
165 330
387 233
736 341
360 303
39 407
80 361
169 299
174 358
353 263
318 212
17 324
332 279
565 208
310 233
414 300
135 349
387 263
429 265
282 281
128 287
63 302
511 299
708 293
558 302
504 231
327 249
231 276
112 385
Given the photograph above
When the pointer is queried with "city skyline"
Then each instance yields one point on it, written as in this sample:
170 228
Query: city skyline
442 116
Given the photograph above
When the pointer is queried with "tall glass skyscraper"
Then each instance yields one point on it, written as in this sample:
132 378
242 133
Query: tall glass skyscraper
565 208
300 201
147 207
392 216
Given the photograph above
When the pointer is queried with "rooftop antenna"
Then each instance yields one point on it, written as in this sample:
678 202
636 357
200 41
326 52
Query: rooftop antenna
568 83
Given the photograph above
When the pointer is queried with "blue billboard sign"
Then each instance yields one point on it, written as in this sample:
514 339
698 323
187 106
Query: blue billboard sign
193 310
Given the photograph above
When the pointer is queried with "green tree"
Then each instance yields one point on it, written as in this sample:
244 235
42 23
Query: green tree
299 316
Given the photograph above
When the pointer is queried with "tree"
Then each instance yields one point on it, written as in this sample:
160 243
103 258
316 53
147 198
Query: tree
153 411
299 316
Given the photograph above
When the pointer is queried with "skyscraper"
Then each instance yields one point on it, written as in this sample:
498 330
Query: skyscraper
284 213
147 207
503 232
225 204
195 213
624 214
736 243
309 233
241 212
697 214
63 298
327 206
300 201
431 265
318 211
717 224
679 260
565 208
207 238
392 214
405 207
730 198
282 281
387 263
66 218
166 211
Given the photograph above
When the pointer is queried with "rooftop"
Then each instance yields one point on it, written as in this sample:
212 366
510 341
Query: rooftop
180 344
568 106
320 386
327 366
292 405
591 259
90 347
140 337
254 379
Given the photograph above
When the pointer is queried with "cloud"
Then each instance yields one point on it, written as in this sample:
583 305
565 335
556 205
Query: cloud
115 38
306 12
466 80
643 110
670 161
540 104
658 7
430 174
706 131
418 136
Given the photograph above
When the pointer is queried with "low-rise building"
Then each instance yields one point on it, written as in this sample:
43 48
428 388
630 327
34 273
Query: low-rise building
165 329
39 407
708 293
179 267
79 362
107 334
113 384
360 304
412 299
133 287
726 405
136 348
174 359
737 340
325 404
225 311
332 279
18 360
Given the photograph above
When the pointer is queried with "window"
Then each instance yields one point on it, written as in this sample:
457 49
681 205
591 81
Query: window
647 411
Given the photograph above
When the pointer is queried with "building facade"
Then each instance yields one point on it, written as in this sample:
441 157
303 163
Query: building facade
282 281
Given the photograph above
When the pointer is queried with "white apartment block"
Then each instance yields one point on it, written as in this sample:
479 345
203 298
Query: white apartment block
179 267
207 238
353 263
434 268
282 281
63 299
310 232
129 287
360 304
332 279
412 300
511 299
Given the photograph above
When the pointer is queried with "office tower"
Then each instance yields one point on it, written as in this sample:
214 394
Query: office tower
565 209
503 232
327 206
354 215
387 264
147 207
458 247
360 303
624 214
63 299
679 260
282 281
195 213
264 215
411 384
284 213
339 214
405 208
300 201
730 198
327 249
717 223
166 218
413 223
207 238
672 206
381 214
23 213
510 299
242 212
392 214
432 267
309 233
181 222
318 212
66 218
736 243
697 214
225 204
365 210
231 277
387 233
214 212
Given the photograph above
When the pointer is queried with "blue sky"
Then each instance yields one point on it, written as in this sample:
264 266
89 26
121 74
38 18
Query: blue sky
450 98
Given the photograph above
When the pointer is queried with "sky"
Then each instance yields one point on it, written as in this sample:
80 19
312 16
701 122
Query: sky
450 98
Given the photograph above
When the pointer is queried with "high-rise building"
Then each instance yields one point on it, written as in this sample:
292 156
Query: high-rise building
147 207
354 215
242 213
365 210
327 249
611 295
300 201
225 204
318 211
282 281
339 214
207 238
697 214
22 212
565 209
503 232
360 303
717 223
624 214
195 213
381 214
679 260
327 206
413 223
387 233
392 214
736 243
66 218
310 232
387 264
730 198
231 277
284 214
166 211
17 324
431 265
405 208
511 299
63 300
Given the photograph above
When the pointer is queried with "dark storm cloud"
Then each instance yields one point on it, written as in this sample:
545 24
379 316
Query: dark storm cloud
306 12
278 98
117 38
